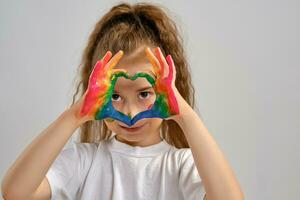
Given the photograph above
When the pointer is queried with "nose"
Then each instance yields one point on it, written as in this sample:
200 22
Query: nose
131 109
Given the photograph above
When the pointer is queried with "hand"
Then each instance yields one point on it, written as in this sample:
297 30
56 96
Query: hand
166 91
99 88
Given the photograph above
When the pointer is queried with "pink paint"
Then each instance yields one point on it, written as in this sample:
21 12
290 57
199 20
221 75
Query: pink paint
99 83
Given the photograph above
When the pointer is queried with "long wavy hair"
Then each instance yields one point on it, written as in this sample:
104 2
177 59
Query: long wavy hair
127 27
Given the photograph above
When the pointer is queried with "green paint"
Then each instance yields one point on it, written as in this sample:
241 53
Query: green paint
110 120
115 76
162 105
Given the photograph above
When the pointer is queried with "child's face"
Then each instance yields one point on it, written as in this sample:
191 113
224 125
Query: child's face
131 97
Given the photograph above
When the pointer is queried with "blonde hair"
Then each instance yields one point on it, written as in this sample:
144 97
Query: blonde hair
126 27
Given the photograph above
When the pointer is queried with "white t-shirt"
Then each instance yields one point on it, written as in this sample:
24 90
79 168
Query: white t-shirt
115 170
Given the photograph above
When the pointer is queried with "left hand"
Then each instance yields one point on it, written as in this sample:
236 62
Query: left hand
165 71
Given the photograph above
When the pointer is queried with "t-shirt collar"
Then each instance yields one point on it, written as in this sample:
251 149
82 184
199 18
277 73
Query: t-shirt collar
152 150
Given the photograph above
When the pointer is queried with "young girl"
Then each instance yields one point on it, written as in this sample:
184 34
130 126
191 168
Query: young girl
156 158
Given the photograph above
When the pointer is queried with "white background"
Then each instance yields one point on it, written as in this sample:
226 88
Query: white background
244 57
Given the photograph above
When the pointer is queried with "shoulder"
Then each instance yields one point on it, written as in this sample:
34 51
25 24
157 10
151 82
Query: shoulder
83 149
182 152
80 149
182 156
80 153
69 169
186 157
190 181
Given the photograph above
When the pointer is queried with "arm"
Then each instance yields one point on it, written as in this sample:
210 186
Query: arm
26 177
218 178
28 172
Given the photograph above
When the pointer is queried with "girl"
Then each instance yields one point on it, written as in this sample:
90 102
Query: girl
171 158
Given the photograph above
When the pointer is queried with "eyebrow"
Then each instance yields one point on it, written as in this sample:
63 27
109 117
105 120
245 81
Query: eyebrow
142 89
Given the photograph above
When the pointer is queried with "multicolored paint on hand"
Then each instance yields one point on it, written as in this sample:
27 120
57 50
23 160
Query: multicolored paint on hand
99 87
167 104
102 81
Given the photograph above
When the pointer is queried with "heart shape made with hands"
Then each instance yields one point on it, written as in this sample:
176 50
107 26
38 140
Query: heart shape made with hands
159 109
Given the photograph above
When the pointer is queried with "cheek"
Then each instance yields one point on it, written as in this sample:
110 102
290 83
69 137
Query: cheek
155 123
111 124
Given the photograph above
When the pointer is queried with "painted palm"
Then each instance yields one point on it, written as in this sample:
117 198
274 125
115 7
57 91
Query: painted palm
99 89
166 104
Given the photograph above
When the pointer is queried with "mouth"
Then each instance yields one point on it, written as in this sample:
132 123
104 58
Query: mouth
132 129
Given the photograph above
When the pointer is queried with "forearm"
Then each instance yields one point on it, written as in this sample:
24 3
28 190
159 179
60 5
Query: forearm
218 178
30 168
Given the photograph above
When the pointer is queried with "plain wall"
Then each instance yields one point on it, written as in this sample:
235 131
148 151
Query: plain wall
244 58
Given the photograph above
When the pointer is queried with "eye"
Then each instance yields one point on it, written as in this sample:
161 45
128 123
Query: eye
145 95
116 97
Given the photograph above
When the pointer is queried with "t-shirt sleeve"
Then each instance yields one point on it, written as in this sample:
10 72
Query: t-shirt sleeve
190 182
69 169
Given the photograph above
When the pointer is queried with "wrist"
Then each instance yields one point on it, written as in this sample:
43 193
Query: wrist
186 114
74 116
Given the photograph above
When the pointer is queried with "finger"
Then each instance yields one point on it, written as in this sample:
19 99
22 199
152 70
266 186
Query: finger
172 69
153 60
96 71
98 67
114 60
162 61
106 57
150 72
114 71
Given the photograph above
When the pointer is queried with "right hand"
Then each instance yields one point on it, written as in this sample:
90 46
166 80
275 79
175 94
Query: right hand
95 96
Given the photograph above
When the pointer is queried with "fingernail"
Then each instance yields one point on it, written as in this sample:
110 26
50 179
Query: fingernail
157 49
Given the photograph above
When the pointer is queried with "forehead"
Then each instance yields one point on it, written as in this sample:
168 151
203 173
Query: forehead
133 65
135 62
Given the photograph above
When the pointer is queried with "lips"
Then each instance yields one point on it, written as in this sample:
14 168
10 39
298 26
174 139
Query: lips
136 126
131 129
